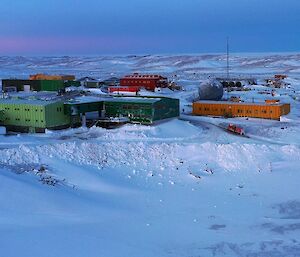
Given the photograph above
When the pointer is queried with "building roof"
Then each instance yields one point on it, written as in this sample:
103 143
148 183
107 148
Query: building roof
36 102
145 76
133 100
93 99
87 79
238 103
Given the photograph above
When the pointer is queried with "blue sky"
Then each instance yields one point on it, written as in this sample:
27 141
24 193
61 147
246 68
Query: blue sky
144 26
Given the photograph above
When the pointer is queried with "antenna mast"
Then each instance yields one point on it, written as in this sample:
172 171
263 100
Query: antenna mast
227 57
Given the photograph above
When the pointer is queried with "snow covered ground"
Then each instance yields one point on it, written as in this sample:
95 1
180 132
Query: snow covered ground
181 188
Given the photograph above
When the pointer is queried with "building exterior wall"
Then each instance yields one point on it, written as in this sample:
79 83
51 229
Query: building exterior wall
55 115
265 111
91 84
78 108
35 85
136 112
116 89
33 117
23 115
72 83
51 85
143 112
1 115
166 108
19 84
149 84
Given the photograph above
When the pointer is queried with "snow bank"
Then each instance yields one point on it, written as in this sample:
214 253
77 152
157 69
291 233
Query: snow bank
157 156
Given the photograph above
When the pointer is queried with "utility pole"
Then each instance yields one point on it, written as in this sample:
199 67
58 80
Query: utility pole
227 57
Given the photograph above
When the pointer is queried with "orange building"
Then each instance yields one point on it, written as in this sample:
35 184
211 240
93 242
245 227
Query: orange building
234 109
51 77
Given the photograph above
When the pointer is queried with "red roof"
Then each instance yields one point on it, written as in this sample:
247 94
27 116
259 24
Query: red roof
145 76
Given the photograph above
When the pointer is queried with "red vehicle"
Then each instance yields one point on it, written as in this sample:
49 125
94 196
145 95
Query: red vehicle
236 129
149 82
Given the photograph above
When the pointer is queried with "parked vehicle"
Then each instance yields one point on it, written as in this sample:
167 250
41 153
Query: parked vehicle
236 129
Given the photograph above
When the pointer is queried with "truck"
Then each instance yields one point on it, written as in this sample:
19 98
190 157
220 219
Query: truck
235 129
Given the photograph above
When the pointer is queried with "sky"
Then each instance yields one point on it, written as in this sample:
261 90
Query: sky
100 27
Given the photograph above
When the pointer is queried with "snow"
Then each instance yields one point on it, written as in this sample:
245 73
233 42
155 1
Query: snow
182 187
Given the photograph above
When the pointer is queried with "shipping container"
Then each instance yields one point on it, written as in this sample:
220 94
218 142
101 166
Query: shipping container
232 109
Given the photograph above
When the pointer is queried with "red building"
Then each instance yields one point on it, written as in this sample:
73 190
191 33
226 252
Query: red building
123 89
149 82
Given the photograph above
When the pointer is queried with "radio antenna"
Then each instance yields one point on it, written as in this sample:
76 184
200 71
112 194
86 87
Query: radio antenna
227 57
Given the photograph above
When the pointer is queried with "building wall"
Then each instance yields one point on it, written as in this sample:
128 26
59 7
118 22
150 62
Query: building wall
1 116
136 112
56 116
51 85
19 84
29 117
23 115
266 111
35 85
145 113
91 84
149 84
78 108
72 83
166 108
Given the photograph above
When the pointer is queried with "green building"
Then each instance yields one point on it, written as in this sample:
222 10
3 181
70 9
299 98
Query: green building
72 83
32 85
139 109
33 115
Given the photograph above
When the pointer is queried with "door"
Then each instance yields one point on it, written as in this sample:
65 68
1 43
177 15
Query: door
26 88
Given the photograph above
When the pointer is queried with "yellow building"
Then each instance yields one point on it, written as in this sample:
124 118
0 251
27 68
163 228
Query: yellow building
265 110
